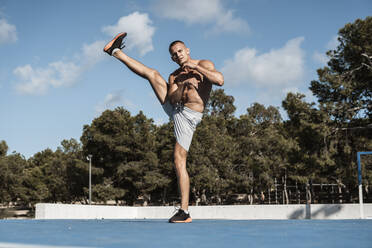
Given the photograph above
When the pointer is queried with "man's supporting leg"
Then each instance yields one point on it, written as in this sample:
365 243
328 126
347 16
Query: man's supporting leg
180 155
158 84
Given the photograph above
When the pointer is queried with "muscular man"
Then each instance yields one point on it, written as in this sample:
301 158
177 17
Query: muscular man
183 99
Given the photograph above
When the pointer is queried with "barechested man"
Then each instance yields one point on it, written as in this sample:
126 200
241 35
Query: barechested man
183 99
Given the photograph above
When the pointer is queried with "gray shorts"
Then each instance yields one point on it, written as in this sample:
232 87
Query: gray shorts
185 122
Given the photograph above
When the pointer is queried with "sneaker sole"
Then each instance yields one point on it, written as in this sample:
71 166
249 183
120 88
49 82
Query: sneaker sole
109 45
188 220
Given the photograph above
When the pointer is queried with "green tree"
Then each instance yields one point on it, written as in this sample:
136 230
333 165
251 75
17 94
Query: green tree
142 175
76 171
263 148
47 176
125 148
344 92
165 142
220 104
212 155
310 127
211 158
3 148
11 171
344 86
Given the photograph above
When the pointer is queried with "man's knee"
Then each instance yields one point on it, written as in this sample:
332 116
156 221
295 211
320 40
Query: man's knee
153 75
180 156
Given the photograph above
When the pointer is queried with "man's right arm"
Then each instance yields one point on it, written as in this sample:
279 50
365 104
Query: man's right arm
175 92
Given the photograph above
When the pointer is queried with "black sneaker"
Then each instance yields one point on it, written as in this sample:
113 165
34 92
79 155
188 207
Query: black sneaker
117 42
180 217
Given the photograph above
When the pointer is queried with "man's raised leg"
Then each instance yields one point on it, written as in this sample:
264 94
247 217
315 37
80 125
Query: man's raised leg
158 83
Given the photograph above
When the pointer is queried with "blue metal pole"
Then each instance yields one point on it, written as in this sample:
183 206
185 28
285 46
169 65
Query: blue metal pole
359 169
360 182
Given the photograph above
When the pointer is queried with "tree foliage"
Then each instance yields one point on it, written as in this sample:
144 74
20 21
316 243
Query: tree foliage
344 87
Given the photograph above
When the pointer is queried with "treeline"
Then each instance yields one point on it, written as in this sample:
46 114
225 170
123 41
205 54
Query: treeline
133 158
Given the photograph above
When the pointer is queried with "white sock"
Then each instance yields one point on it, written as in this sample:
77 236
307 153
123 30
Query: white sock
186 212
114 51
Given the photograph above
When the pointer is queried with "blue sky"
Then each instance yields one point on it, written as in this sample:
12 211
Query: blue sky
54 77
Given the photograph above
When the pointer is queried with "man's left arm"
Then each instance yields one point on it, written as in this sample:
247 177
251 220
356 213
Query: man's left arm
207 69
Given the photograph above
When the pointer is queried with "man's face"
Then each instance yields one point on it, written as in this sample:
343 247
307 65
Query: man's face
179 53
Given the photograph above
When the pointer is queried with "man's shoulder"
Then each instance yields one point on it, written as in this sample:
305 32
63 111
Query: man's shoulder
206 64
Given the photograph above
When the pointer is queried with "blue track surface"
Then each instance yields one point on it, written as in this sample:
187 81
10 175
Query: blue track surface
200 233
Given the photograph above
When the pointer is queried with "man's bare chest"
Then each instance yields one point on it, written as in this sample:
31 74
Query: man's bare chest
189 77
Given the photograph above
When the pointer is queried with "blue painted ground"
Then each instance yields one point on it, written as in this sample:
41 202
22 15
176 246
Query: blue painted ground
200 233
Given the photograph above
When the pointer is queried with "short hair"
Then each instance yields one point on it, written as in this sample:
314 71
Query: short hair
174 43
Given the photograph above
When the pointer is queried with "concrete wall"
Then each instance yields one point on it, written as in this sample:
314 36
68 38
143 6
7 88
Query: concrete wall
71 211
233 212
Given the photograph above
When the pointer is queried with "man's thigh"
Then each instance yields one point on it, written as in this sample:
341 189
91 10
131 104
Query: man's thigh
160 86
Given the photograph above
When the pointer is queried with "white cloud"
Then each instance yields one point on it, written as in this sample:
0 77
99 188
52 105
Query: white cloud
226 22
140 31
36 81
333 43
321 58
204 12
113 100
92 53
281 67
192 11
8 32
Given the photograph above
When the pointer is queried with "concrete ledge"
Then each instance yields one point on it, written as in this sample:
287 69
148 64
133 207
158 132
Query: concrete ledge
232 212
72 211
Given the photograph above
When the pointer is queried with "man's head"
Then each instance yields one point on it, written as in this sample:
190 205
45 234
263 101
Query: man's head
179 52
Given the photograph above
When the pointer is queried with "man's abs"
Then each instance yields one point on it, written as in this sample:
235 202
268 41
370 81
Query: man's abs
192 99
